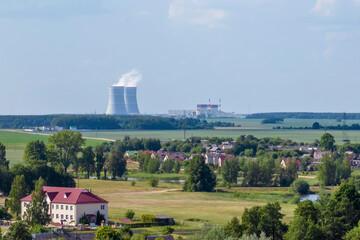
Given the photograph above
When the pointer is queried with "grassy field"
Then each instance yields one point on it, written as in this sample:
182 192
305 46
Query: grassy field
307 136
168 199
15 143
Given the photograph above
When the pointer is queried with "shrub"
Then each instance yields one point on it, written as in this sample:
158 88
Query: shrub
133 183
153 182
129 214
148 218
106 232
84 219
167 230
300 186
37 228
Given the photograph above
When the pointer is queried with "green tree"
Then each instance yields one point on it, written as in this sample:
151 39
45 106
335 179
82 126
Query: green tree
168 166
129 214
35 153
308 210
177 166
230 171
303 229
18 191
38 211
342 212
353 234
99 159
328 142
67 144
18 231
167 230
6 178
288 174
265 219
99 218
3 161
153 182
153 165
106 233
117 163
234 228
200 178
87 162
4 214
209 231
300 186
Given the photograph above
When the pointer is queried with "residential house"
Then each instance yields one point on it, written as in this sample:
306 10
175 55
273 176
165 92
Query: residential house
284 162
212 158
68 205
222 159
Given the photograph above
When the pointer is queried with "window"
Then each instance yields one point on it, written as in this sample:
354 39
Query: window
57 206
71 208
66 207
24 204
62 216
62 207
57 215
52 206
52 215
67 216
102 207
71 217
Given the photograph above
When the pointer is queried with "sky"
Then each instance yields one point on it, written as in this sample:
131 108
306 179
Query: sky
60 56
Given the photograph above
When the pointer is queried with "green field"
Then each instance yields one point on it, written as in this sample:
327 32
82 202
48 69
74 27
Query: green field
307 136
15 143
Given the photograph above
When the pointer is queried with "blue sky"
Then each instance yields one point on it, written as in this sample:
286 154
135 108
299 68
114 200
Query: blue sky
60 56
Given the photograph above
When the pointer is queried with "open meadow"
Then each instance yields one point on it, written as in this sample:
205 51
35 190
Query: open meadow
185 207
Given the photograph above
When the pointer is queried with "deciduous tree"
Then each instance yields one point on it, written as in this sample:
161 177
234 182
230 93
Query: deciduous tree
35 153
200 178
230 171
117 163
18 191
67 144
38 210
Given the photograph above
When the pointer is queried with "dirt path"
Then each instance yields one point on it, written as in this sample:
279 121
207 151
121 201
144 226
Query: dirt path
141 193
47 134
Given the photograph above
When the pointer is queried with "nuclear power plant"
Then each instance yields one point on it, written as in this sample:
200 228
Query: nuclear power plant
122 101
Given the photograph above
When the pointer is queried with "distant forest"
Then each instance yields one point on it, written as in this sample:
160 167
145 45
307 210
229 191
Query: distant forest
106 122
304 115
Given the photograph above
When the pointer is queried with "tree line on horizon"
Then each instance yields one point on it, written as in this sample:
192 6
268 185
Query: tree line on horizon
99 122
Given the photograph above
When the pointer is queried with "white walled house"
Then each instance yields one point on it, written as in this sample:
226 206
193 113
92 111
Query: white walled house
68 205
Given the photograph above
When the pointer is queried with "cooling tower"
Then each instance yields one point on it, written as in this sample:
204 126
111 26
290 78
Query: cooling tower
116 104
130 100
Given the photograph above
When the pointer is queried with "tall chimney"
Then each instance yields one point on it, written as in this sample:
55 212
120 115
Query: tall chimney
131 101
116 104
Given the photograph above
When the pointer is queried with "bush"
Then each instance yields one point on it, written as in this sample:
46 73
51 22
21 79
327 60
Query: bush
133 183
148 218
300 186
84 219
167 230
106 232
129 214
153 182
37 228
296 199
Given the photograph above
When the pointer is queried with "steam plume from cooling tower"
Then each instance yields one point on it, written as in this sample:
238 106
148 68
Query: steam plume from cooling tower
130 79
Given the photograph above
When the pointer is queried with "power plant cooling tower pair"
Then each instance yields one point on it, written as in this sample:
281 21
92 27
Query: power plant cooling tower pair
122 101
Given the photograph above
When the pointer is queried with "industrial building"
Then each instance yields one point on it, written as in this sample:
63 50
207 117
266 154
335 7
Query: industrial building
122 101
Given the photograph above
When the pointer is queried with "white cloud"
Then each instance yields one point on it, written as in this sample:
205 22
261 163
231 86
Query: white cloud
331 36
197 13
324 7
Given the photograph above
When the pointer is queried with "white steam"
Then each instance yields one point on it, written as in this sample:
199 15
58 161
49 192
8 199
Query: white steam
130 79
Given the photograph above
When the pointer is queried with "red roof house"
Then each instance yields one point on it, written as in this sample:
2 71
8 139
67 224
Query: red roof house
68 205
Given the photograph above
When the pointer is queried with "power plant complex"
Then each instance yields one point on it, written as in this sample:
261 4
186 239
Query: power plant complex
122 101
